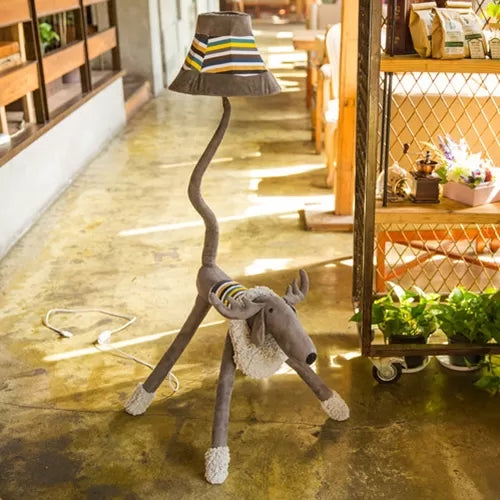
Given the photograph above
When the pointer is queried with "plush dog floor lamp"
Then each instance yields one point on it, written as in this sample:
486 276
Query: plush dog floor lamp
264 329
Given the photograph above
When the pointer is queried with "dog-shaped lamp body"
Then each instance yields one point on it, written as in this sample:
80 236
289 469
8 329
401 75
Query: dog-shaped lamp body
267 316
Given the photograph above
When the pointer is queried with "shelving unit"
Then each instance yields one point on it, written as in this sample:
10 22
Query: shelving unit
43 87
18 72
411 64
435 247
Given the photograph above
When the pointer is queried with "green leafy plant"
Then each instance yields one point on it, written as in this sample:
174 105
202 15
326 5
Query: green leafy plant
493 9
493 313
404 312
48 36
469 315
490 375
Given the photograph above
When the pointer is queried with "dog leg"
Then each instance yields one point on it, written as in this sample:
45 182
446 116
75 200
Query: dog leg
144 393
333 405
217 457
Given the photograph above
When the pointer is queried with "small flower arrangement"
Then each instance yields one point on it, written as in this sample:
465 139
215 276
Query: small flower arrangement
458 164
493 9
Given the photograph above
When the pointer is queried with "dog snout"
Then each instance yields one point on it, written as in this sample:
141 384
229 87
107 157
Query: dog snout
311 358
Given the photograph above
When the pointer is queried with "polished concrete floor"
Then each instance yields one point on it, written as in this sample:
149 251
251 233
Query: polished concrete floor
124 238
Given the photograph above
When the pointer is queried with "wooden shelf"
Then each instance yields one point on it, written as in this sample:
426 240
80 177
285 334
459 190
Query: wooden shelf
446 212
92 2
17 82
8 49
64 60
101 42
47 7
13 12
404 64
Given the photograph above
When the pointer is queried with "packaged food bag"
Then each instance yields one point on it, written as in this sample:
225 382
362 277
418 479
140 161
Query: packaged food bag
398 36
420 23
448 39
475 40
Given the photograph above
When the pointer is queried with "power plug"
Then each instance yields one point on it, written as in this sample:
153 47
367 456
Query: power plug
103 337
65 333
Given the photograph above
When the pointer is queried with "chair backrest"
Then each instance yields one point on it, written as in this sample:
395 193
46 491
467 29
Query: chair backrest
323 15
332 44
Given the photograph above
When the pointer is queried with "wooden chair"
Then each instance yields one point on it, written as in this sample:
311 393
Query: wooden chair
326 112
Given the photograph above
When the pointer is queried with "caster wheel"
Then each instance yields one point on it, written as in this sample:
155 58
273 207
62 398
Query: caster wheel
389 374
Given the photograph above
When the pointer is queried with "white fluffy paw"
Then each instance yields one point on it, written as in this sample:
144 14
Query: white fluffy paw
217 464
335 407
139 401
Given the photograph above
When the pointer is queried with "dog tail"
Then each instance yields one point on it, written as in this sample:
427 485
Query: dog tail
211 242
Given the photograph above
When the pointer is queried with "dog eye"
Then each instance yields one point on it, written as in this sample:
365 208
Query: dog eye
270 310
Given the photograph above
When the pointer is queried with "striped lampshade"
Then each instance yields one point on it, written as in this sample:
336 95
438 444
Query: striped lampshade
224 60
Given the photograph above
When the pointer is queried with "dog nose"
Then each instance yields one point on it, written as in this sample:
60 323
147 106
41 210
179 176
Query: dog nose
311 358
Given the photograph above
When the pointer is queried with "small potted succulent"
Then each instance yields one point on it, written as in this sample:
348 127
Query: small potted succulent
470 318
405 317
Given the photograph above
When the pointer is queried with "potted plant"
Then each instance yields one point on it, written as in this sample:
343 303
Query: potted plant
490 375
405 317
466 317
49 38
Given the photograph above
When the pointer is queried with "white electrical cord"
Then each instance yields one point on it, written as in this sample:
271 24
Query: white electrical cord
104 337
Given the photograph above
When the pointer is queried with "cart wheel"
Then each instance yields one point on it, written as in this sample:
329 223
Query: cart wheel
389 374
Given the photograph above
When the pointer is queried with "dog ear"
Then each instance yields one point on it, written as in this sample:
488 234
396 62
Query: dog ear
258 329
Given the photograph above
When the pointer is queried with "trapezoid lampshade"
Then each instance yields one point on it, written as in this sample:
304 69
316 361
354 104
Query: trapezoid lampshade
224 60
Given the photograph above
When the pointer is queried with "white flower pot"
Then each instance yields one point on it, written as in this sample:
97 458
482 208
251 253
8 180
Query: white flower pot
480 195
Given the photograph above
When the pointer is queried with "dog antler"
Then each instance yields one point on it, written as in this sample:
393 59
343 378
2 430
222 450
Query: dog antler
243 309
296 293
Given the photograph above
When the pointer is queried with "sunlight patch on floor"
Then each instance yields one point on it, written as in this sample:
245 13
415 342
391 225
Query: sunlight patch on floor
285 171
261 205
260 266
347 262
287 370
118 345
225 159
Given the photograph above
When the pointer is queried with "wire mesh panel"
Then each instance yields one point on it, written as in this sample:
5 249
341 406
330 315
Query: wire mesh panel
428 105
437 257
425 106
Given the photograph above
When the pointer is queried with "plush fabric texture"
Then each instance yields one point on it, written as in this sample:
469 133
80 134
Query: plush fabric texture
335 407
217 464
139 401
256 362
224 60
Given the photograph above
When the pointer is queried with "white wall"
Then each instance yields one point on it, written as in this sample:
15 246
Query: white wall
178 24
35 177
155 36
140 43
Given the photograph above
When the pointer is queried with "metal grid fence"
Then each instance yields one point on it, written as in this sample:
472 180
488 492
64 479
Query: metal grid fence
437 257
